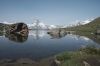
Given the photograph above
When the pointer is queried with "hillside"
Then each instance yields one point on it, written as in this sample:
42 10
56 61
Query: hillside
1 26
90 27
88 30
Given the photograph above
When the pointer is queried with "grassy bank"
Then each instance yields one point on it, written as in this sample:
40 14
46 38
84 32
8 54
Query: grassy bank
88 55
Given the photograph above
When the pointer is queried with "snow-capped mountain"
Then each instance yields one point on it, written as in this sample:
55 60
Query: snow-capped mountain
86 22
52 26
40 25
34 25
83 22
78 22
37 26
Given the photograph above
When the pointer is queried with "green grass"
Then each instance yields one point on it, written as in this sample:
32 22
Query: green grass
91 50
76 58
64 56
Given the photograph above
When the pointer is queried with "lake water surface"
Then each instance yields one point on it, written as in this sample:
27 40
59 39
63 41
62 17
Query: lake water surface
39 44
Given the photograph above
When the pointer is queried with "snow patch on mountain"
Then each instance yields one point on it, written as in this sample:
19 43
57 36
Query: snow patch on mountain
83 22
86 22
52 26
35 26
40 25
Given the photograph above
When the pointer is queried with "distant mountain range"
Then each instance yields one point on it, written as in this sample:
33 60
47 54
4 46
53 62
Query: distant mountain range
78 23
44 26
41 25
84 22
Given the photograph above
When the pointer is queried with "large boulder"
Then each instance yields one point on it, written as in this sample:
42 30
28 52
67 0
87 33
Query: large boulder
18 28
17 32
57 33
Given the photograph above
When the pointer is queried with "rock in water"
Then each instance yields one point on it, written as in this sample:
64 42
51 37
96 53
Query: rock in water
18 28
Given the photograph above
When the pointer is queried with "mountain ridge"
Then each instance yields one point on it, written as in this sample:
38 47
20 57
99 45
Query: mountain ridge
89 27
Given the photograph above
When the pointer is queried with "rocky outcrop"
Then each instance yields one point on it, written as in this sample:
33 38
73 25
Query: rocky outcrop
18 28
17 32
57 33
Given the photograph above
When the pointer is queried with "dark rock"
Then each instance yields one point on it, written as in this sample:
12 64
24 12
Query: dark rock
17 32
18 28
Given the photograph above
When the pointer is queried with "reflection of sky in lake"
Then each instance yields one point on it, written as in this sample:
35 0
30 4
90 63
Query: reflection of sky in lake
40 45
81 39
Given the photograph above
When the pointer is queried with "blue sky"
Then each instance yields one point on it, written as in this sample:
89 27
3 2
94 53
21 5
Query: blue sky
58 12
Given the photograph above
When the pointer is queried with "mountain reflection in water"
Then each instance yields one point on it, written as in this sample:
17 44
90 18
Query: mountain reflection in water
40 44
52 34
17 37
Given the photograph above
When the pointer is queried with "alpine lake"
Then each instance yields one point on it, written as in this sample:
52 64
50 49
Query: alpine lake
40 45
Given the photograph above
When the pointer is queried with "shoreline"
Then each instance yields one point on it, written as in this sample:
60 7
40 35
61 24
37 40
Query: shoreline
50 61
